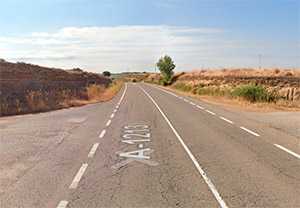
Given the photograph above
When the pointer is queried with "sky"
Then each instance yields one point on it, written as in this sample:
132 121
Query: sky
131 35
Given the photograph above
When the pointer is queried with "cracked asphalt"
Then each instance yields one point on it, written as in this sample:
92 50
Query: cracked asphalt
41 154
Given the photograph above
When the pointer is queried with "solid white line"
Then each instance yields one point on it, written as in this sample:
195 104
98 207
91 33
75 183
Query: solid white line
112 115
93 150
185 100
249 131
212 113
287 150
201 171
108 122
192 103
102 134
115 110
225 119
199 107
124 92
78 176
63 204
163 90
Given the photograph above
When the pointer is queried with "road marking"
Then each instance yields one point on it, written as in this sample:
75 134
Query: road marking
63 204
287 150
112 115
225 119
115 110
249 131
201 171
125 162
135 140
117 107
180 98
199 107
185 100
102 134
78 176
124 92
192 103
93 150
108 122
141 146
212 113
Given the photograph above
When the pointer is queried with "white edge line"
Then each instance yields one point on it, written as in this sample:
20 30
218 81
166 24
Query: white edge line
102 134
287 150
249 131
93 150
108 123
62 204
212 113
201 171
78 176
198 106
225 119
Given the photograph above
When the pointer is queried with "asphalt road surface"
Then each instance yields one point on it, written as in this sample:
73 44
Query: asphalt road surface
146 147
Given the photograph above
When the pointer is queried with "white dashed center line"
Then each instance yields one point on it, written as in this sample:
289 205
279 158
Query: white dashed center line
192 103
93 150
102 134
225 119
249 131
112 115
115 110
78 176
108 122
117 106
212 113
185 100
287 150
141 145
63 204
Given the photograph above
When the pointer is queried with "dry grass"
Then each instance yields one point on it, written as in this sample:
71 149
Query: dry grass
27 88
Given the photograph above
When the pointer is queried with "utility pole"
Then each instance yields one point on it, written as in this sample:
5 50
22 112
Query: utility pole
259 61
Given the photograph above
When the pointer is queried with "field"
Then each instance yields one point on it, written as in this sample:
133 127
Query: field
27 88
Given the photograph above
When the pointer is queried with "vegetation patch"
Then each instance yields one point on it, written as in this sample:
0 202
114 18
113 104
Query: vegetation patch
254 93
182 87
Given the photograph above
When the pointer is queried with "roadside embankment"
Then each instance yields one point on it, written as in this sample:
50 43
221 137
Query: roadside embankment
27 88
267 87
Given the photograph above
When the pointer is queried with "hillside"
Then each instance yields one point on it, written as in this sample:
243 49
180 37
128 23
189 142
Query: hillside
282 85
27 88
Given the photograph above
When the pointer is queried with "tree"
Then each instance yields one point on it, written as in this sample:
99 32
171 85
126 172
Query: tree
77 69
166 66
106 73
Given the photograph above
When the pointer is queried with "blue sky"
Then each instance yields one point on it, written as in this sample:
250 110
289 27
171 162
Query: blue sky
115 35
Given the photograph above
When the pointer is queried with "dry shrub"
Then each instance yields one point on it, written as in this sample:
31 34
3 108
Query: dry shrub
94 91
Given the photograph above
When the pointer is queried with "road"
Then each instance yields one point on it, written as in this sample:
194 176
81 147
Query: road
147 147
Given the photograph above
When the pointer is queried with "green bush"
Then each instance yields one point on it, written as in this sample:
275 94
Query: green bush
254 93
182 87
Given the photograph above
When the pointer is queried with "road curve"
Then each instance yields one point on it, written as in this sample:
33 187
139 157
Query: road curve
147 147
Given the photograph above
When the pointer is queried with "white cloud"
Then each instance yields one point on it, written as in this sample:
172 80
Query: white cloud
121 47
